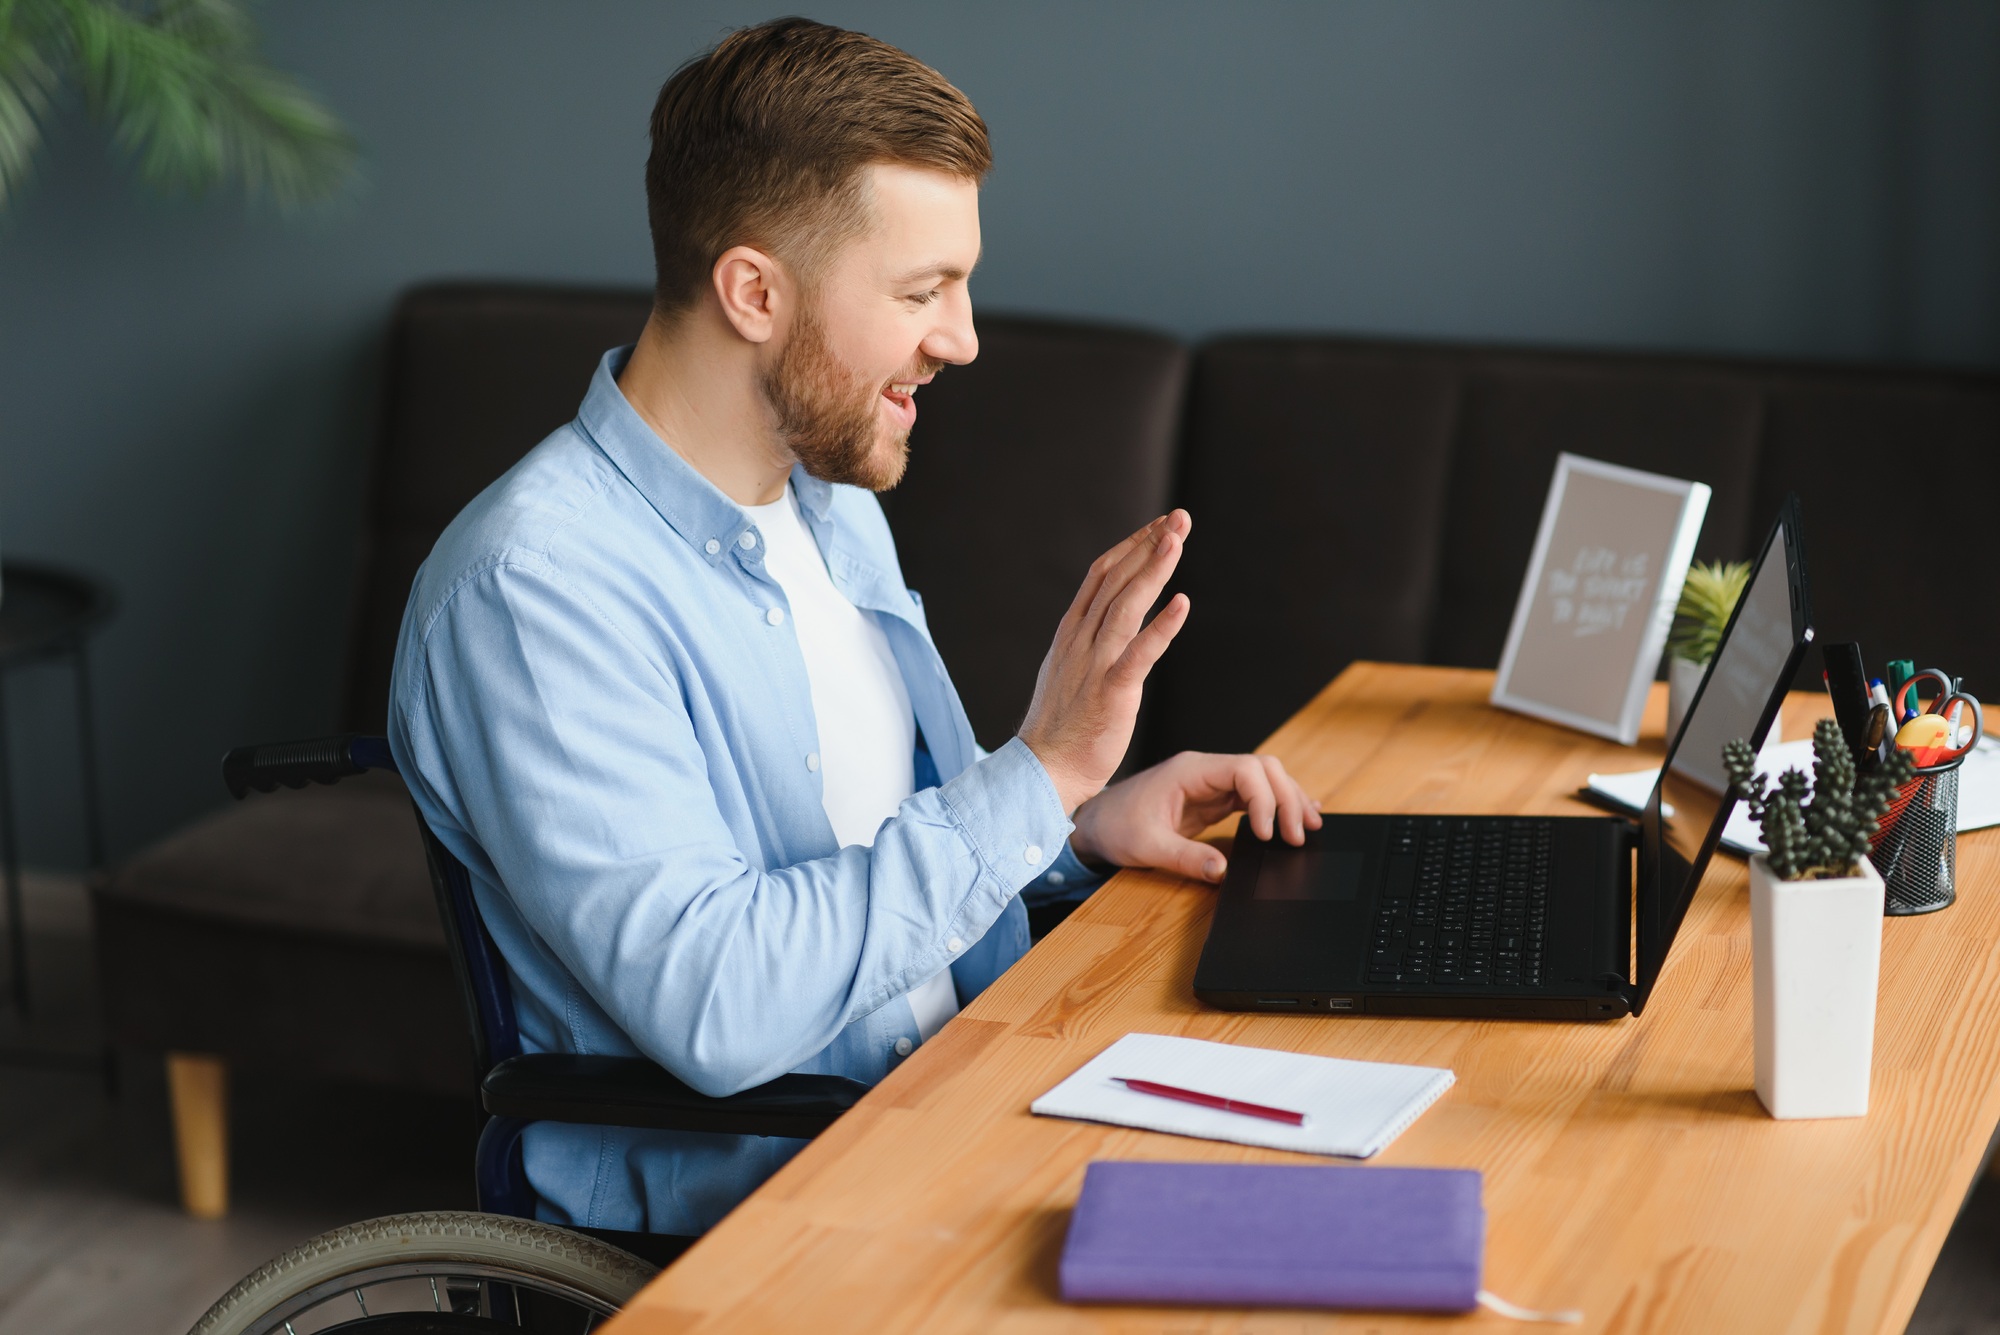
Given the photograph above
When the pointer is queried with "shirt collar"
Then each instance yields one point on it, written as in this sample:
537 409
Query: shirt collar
693 506
814 495
706 519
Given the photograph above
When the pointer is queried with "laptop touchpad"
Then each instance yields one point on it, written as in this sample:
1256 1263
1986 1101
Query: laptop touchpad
1312 872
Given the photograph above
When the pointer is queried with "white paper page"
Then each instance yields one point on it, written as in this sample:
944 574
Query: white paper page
1352 1108
1978 790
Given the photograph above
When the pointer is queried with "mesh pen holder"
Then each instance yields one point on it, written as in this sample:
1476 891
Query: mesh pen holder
1916 849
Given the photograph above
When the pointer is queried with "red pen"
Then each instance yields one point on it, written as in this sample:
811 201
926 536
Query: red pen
1212 1101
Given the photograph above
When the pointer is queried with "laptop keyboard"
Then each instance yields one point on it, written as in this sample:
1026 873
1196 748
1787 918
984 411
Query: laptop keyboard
1476 911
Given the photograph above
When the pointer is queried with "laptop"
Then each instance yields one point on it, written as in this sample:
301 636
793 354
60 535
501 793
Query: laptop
1511 916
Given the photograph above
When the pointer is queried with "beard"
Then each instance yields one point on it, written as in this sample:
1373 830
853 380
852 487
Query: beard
826 414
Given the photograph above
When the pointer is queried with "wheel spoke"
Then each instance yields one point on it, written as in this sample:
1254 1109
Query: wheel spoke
579 1276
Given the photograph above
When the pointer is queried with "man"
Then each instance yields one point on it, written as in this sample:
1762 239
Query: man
662 687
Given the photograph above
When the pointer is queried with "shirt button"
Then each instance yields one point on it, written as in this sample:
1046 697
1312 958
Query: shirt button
1032 853
747 541
812 761
956 944
1056 878
903 1047
712 546
775 615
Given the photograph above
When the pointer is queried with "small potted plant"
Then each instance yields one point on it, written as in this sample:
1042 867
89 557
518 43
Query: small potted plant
1815 924
1708 596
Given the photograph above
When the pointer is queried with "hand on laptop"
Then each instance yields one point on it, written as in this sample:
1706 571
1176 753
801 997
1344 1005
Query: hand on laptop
1150 819
1087 699
1087 693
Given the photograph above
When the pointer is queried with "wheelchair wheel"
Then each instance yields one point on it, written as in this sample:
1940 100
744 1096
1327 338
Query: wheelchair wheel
433 1274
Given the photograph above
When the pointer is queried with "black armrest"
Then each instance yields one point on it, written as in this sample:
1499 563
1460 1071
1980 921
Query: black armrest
631 1091
296 764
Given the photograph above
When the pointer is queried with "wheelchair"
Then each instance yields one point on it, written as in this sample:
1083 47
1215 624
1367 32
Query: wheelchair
497 1268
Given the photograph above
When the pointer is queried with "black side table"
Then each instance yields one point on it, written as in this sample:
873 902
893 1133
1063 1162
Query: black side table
45 613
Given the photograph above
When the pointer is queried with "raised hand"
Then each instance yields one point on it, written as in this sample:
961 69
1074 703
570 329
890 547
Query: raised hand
1150 819
1087 693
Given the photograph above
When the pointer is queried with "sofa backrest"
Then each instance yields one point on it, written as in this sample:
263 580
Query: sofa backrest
1369 499
1352 498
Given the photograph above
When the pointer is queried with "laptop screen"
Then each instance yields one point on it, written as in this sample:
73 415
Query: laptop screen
1740 697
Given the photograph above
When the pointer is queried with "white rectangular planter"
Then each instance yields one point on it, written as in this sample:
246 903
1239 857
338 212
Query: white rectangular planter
1816 954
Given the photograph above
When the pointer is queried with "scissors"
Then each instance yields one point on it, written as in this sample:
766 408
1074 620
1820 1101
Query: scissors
1931 734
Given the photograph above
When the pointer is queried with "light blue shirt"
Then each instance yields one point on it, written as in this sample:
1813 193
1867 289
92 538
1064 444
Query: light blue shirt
600 706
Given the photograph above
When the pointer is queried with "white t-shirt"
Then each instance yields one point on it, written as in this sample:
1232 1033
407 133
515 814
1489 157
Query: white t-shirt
867 731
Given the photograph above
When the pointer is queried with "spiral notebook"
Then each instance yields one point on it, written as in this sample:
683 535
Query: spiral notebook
1352 1108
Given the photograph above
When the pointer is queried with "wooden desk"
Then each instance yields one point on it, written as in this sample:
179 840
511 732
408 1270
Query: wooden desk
1630 1170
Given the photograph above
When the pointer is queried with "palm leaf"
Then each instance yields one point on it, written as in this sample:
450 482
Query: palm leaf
27 86
188 97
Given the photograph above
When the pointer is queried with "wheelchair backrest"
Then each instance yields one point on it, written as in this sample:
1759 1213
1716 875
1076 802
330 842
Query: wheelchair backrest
482 974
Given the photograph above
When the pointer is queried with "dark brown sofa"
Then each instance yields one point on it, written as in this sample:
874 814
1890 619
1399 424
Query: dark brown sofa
1366 499
1352 499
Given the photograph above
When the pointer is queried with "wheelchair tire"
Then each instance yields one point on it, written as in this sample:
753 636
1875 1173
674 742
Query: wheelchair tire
493 1254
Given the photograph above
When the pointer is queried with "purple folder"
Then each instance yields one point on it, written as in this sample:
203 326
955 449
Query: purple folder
1260 1235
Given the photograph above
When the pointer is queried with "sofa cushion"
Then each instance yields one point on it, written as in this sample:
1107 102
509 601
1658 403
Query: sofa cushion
343 861
1025 465
295 929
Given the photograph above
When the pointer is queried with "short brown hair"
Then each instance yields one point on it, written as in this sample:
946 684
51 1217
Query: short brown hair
762 142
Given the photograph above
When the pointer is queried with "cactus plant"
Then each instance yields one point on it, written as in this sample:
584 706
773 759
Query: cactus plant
1827 836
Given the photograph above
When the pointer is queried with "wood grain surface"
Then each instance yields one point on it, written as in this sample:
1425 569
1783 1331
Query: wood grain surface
1629 1169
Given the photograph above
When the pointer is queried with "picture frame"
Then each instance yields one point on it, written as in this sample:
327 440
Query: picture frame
1610 556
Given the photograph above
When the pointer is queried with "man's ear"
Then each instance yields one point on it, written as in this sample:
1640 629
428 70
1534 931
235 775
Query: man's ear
753 289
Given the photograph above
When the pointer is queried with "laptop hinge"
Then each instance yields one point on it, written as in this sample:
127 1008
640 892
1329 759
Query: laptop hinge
1631 842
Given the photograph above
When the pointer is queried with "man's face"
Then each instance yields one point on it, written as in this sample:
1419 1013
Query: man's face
889 310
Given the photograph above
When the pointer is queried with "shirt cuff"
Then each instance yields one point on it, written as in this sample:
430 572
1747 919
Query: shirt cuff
1067 879
1011 814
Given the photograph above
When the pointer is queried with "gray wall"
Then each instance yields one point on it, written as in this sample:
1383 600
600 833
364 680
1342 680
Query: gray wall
185 389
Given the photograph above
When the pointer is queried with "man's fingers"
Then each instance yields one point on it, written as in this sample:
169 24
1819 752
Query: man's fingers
1125 608
1253 789
1167 532
1292 803
1120 575
1093 579
1147 646
1190 858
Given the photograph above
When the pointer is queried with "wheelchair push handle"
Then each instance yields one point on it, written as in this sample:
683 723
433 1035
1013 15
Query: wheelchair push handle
268 766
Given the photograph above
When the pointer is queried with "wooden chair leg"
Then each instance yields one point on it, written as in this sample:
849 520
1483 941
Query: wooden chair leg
198 1088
